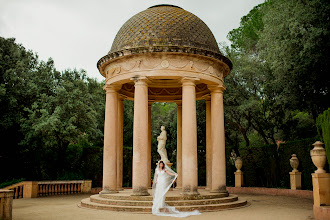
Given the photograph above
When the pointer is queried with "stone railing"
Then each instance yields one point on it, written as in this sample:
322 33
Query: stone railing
32 189
6 204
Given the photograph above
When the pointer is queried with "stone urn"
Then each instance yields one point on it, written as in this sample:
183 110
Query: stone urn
294 162
238 164
319 157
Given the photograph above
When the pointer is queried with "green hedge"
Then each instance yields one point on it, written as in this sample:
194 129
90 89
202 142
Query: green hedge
267 166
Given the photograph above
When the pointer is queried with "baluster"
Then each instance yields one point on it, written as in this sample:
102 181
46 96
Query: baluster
53 189
47 189
71 187
20 191
40 189
44 189
65 188
55 186
79 187
16 192
74 188
62 189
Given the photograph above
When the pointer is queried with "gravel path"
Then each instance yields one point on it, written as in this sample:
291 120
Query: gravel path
66 207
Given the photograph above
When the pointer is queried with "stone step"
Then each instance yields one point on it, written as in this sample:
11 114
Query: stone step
147 209
98 199
119 196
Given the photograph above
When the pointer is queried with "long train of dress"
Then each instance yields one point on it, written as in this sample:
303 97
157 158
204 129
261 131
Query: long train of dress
159 207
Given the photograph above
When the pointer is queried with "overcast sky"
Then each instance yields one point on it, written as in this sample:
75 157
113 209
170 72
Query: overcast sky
77 33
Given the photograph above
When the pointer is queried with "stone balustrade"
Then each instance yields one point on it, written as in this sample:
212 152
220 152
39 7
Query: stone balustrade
6 204
32 189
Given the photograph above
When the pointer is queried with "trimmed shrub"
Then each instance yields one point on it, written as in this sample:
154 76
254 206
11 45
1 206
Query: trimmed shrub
323 127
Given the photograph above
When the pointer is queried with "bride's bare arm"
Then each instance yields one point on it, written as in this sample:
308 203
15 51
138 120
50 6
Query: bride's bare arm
156 177
169 173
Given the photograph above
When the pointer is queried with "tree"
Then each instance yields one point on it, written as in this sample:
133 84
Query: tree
295 45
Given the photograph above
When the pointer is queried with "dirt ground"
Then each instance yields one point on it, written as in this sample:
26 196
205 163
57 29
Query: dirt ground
259 207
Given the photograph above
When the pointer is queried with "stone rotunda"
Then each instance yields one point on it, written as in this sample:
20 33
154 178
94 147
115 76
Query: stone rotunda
164 54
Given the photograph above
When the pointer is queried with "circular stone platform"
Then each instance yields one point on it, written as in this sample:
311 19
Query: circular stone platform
124 201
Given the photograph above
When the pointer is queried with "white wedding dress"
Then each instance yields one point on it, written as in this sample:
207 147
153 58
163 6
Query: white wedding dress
159 190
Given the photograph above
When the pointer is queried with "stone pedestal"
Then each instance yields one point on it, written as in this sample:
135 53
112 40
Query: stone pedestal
295 180
321 189
30 189
238 179
6 204
86 186
321 194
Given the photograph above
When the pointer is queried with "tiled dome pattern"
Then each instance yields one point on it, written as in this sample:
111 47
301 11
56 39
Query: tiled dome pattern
164 25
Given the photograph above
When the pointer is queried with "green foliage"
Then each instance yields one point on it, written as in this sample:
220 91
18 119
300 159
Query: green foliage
280 55
260 165
269 166
323 125
8 183
302 149
295 43
44 114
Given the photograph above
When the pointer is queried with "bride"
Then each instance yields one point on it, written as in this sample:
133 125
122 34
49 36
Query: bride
163 180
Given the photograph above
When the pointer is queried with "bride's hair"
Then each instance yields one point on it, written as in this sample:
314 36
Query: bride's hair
162 163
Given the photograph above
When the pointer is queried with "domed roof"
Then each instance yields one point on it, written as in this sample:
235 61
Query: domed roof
164 25
164 28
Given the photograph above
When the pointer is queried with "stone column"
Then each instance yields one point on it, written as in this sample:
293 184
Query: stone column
218 140
140 138
189 137
110 140
179 146
208 145
149 144
120 145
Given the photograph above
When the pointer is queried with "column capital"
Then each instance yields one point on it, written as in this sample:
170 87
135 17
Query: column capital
140 80
216 88
207 97
179 103
111 88
121 97
189 81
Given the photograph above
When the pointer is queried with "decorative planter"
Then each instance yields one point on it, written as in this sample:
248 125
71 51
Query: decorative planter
294 162
319 157
238 164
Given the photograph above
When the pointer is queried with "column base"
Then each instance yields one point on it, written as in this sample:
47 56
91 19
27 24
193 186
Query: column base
108 191
190 193
221 189
187 191
140 191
